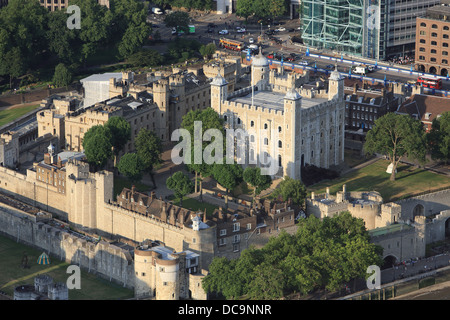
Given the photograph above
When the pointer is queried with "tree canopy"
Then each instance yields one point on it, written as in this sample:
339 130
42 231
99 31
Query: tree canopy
120 132
97 145
439 138
149 149
180 184
260 182
130 166
321 254
291 189
396 136
62 76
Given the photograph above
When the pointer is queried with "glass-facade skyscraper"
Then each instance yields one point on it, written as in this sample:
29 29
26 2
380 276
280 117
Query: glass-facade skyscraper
366 28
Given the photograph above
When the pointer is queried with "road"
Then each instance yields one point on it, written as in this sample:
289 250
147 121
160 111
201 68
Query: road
230 22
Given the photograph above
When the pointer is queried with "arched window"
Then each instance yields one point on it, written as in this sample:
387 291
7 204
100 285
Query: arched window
445 44
433 43
279 129
434 34
422 41
433 51
446 28
444 61
280 144
423 24
265 126
434 26
252 123
445 53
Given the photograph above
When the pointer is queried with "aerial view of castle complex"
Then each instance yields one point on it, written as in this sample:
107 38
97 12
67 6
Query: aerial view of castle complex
217 150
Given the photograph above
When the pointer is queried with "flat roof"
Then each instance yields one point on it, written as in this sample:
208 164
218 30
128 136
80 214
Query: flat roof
274 100
389 229
103 77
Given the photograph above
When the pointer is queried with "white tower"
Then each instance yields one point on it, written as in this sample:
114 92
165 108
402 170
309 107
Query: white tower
260 72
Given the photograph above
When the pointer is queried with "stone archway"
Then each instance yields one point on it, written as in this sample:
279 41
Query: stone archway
418 210
388 262
421 68
444 72
433 70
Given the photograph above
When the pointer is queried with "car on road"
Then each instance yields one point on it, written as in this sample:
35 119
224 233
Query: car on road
329 67
280 29
303 62
370 68
251 40
241 30
270 56
223 32
295 56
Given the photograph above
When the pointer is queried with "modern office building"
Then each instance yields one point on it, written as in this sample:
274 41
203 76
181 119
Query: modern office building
432 40
377 29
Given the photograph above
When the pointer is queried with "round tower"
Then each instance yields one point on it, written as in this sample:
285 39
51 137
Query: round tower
144 285
167 277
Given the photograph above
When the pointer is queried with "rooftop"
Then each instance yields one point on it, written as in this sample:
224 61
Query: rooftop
274 100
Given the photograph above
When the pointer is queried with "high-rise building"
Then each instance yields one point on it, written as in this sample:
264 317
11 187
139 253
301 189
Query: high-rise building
377 29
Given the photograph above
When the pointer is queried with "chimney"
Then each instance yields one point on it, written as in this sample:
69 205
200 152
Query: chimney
164 212
328 192
181 217
204 216
172 215
313 195
133 189
152 195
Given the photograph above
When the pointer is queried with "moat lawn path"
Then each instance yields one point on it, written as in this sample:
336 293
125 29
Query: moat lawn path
12 274
409 181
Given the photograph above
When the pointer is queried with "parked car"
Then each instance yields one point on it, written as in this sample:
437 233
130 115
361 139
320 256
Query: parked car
303 62
291 30
241 30
251 40
253 46
280 29
269 32
223 32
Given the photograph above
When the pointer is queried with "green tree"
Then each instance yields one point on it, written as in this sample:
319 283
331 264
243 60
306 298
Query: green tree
130 166
62 41
396 136
259 182
178 19
97 145
291 189
23 24
62 76
149 149
267 284
439 138
180 184
134 38
147 58
245 8
228 176
208 50
209 119
120 131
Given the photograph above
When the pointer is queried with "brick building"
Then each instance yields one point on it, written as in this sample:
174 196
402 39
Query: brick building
432 40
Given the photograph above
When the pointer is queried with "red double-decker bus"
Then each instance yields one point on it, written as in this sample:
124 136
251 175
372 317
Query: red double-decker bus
430 82
231 44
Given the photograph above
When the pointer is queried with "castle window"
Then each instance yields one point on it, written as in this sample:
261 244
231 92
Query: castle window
265 126
279 129
252 123
280 144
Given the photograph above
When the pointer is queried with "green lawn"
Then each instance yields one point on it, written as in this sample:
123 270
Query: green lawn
409 181
194 205
12 274
8 115
121 182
